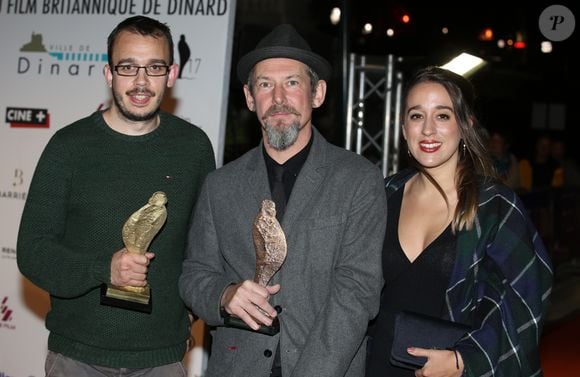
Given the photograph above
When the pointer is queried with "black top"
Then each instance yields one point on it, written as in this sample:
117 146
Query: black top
289 174
291 167
419 286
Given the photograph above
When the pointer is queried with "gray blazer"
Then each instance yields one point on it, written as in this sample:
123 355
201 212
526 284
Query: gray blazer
332 277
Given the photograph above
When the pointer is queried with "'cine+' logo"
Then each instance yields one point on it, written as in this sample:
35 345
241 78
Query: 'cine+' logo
557 23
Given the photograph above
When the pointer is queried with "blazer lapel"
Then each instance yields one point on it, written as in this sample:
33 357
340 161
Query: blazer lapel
308 182
256 179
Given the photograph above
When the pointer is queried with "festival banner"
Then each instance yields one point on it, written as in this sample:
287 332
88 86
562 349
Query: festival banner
51 74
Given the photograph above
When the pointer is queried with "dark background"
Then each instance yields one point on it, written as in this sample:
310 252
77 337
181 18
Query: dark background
507 87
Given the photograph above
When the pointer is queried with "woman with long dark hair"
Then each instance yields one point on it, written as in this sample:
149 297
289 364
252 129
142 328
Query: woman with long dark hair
459 245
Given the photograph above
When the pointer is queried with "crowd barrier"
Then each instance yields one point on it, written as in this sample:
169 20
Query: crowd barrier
556 214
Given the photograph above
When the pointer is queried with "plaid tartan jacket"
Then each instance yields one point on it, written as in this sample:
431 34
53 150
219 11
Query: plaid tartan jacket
500 285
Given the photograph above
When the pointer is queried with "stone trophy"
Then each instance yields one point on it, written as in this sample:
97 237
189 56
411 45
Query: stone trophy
270 246
138 232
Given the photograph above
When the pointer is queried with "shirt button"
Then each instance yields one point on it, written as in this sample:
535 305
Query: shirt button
278 309
267 353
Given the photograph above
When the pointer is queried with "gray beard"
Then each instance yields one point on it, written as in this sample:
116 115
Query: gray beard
281 138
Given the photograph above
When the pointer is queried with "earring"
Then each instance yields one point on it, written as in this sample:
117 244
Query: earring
464 149
409 153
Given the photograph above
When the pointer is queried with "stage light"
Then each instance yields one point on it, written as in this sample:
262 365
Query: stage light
367 28
464 64
390 32
486 34
546 47
335 16
406 18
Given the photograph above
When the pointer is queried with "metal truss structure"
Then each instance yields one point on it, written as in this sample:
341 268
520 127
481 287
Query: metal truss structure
373 117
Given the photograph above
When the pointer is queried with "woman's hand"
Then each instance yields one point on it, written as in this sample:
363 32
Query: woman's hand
440 363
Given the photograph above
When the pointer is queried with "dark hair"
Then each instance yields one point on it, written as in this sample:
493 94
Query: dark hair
141 25
474 162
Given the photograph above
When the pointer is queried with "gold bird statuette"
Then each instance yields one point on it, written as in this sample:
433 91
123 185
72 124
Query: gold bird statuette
143 225
138 232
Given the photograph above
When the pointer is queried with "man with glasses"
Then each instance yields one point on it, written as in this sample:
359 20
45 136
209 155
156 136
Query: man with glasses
91 177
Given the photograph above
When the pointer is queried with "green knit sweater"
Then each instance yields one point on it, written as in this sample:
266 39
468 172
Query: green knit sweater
88 181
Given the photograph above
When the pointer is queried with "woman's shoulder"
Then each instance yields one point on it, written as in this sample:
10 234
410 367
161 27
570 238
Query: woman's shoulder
494 194
396 181
490 187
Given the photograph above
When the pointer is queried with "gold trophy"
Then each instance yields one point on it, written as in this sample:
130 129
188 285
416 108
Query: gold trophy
271 249
138 232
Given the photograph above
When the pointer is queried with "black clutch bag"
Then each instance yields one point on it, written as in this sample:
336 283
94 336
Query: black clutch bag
423 331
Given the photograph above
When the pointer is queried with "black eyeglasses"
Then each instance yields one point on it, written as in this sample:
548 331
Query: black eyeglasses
150 70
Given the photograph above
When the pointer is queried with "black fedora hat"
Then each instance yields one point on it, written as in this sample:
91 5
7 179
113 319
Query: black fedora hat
283 42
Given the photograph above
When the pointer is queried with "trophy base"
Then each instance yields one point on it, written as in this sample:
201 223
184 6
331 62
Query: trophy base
235 322
126 298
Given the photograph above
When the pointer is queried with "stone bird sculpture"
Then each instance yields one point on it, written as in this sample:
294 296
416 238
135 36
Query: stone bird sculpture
269 242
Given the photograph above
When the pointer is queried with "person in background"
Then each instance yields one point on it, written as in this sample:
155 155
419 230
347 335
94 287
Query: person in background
505 163
569 167
542 171
459 244
91 177
332 211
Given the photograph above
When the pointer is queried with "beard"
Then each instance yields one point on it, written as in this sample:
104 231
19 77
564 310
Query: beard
117 98
280 136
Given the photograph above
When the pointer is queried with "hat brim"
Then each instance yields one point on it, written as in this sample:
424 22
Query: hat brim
318 64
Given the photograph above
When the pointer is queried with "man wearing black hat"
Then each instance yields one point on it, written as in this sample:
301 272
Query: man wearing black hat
332 210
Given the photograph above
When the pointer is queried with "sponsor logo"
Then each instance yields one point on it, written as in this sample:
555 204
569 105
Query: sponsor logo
36 58
8 252
188 65
19 117
14 193
5 314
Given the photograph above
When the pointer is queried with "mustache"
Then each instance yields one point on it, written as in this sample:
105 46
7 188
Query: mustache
138 91
280 109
